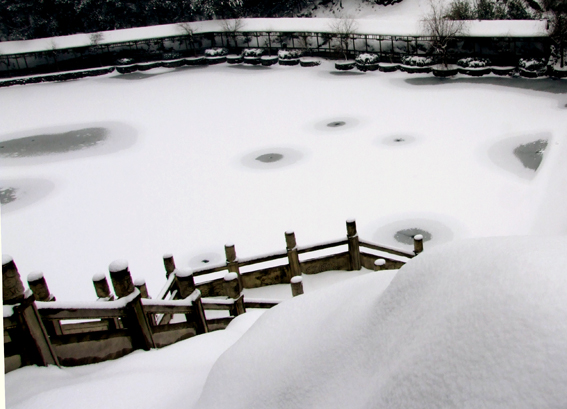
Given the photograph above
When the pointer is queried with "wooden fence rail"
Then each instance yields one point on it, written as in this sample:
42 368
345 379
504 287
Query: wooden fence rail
40 330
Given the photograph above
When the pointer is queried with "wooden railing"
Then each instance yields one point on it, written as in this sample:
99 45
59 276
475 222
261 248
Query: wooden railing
40 330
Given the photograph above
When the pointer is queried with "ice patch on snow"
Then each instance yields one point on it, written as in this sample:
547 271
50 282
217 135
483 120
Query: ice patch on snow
271 158
402 231
521 155
64 142
19 193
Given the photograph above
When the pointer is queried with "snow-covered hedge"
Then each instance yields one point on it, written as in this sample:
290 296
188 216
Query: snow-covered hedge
417 60
125 61
66 76
532 64
215 52
367 58
253 52
474 62
289 54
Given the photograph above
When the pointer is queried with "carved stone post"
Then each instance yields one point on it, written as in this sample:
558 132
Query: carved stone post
353 245
169 264
140 284
101 287
121 278
12 286
296 286
186 286
417 243
292 255
38 285
233 290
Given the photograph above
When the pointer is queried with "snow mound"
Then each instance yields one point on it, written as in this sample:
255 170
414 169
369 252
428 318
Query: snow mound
475 323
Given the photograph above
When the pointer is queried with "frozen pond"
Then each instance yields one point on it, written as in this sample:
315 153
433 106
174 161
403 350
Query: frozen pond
183 161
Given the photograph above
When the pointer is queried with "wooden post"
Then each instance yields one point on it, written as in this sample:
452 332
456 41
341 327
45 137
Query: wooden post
232 261
140 284
36 345
233 290
353 245
38 285
417 243
296 286
169 264
139 324
292 256
379 264
186 286
121 278
12 286
101 287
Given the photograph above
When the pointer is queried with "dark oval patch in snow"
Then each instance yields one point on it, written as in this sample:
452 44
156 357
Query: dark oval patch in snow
201 259
397 140
7 195
531 154
406 235
336 124
18 193
48 144
270 157
273 158
52 144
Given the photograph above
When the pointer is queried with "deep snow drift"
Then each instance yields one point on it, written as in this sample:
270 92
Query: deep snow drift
474 323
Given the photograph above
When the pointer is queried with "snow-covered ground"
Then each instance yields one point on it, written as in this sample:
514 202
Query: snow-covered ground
169 164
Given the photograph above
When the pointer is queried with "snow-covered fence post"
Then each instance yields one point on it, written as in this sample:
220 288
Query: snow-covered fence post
38 285
233 290
292 256
417 243
121 278
186 287
101 287
232 261
379 264
296 286
169 264
353 245
12 286
140 284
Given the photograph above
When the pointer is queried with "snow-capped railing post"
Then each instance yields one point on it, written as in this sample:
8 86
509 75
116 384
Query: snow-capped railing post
101 287
296 286
379 264
34 342
233 290
232 261
417 243
186 287
292 255
137 320
121 278
12 286
38 285
140 284
353 245
169 264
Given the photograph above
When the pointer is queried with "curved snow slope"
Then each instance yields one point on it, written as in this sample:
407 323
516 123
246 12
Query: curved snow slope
476 323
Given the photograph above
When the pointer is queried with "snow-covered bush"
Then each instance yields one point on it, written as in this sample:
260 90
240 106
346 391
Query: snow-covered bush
125 61
252 52
171 56
532 64
289 54
367 58
417 60
215 52
471 62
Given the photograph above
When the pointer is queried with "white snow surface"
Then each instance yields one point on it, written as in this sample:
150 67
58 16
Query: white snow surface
470 324
181 188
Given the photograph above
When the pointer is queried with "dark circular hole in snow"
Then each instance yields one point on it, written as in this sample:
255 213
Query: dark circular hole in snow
336 124
204 261
531 154
270 157
398 140
7 195
406 235
48 144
